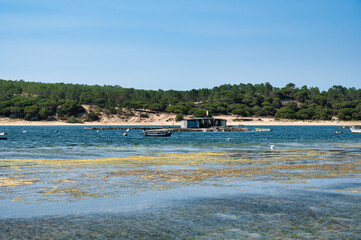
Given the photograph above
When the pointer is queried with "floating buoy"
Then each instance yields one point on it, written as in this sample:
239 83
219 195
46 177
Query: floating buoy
127 130
24 131
272 147
125 134
97 130
229 139
266 139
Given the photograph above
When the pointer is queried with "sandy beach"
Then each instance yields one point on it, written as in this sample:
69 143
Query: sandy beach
159 119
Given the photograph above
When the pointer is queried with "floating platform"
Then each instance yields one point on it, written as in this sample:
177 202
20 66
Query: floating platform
216 129
175 129
126 128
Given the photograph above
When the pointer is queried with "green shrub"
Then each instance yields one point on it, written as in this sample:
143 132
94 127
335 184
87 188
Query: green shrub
286 113
92 116
304 114
157 107
73 119
345 114
144 115
100 102
322 114
269 110
240 112
179 117
200 113
70 108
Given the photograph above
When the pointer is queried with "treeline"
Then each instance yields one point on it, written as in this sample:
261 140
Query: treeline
43 101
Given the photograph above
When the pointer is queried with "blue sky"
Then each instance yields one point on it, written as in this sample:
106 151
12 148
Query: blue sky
184 44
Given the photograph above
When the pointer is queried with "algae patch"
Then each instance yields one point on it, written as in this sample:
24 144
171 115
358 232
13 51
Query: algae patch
63 179
13 182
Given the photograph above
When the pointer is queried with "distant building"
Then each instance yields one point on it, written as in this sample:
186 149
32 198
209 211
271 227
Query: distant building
203 123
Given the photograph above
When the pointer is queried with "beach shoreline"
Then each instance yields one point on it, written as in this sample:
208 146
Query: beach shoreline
169 120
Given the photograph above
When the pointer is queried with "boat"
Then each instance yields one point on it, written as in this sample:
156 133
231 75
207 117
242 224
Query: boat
3 135
355 129
263 129
157 133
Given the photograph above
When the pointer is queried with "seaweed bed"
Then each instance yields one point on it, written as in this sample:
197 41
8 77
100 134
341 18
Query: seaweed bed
275 194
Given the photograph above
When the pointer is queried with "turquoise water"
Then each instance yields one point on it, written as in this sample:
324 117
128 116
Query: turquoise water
187 186
75 142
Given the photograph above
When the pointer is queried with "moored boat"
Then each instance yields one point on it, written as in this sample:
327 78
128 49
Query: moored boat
157 133
263 129
355 129
3 135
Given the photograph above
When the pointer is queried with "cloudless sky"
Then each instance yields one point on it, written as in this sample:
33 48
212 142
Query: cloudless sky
184 44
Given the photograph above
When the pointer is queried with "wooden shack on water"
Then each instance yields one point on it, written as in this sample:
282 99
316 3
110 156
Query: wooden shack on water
203 123
187 125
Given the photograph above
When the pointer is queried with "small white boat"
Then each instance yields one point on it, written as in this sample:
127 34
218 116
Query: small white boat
3 135
355 130
263 129
157 133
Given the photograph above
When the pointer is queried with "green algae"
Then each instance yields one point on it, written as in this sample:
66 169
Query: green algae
90 178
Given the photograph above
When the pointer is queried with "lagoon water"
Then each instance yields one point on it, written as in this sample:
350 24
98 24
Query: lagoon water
74 142
65 182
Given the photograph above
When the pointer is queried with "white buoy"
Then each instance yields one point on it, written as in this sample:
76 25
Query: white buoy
272 147
127 130
24 131
229 139
125 134
97 130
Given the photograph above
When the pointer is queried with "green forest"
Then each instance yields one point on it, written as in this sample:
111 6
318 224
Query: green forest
34 101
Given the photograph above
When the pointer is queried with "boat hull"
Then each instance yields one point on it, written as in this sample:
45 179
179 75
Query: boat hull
263 129
3 136
157 133
355 130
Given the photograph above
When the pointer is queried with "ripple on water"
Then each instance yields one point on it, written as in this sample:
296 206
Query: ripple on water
292 214
187 186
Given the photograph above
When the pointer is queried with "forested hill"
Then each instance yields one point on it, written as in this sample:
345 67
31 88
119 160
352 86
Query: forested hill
43 101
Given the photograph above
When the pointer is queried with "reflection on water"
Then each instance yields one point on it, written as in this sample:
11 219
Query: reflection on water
86 184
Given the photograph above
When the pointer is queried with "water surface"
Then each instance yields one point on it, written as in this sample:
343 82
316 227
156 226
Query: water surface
60 182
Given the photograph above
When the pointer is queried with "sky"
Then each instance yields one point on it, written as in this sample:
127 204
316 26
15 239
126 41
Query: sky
182 45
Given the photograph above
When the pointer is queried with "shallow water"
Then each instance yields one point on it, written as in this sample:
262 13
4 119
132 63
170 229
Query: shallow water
74 142
191 185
